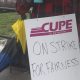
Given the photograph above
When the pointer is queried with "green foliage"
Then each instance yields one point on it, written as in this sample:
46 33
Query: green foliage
6 21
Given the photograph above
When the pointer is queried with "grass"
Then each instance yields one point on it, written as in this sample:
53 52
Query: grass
6 21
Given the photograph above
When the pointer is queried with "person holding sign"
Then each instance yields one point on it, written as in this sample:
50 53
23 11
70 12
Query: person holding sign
40 8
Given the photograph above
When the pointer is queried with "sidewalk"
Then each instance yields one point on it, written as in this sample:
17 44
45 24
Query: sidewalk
14 75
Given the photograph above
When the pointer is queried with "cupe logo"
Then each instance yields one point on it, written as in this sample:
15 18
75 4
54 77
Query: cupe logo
51 28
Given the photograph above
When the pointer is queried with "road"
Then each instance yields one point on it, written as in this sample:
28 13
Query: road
14 75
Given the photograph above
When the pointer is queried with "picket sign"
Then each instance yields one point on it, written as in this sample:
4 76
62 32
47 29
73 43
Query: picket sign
53 48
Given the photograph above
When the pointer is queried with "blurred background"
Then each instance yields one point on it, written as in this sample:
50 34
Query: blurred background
8 14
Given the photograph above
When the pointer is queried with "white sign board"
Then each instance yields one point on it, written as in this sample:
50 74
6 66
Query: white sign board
53 48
